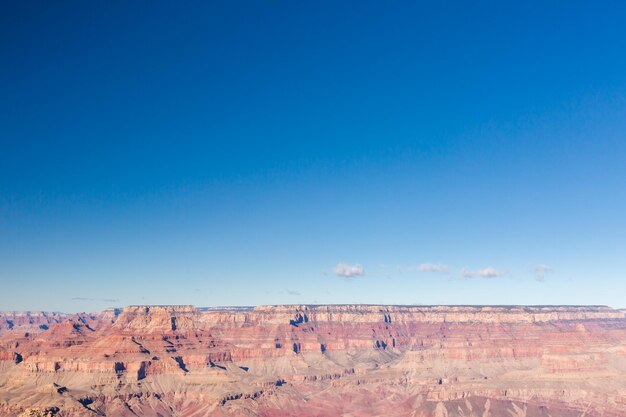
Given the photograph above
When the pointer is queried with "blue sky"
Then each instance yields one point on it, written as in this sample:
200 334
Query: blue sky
241 153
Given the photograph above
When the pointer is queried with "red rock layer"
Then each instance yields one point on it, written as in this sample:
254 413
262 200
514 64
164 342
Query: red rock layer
318 360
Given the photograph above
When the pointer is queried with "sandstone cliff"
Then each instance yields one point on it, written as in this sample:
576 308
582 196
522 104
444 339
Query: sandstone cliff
317 360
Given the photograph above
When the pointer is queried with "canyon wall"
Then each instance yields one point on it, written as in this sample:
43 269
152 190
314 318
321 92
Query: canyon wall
307 360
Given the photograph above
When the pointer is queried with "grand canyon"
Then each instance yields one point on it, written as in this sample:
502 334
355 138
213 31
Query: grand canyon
316 360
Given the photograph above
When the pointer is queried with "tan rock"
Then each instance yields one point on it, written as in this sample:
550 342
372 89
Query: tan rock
361 360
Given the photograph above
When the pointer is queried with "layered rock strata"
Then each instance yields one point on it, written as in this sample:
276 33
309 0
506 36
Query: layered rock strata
359 360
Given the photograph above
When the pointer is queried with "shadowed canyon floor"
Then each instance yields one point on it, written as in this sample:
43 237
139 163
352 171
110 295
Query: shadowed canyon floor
338 360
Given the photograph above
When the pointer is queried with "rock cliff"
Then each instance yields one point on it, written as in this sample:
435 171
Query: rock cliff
314 360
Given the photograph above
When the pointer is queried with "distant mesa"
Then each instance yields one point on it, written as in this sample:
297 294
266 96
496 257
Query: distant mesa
364 360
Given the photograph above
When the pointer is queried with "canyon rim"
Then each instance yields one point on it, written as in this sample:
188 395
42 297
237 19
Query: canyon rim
316 360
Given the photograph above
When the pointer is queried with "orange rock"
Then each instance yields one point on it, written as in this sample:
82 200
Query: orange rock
317 360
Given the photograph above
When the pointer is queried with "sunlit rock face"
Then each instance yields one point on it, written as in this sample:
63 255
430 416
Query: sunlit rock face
356 360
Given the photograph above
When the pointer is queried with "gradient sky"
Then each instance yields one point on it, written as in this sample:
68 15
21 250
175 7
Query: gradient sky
242 153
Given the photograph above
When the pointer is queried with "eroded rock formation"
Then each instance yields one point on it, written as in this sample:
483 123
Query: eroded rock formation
357 360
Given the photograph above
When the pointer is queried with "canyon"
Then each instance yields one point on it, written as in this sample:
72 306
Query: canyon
316 360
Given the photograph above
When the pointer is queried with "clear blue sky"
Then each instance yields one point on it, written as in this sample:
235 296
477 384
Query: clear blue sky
239 153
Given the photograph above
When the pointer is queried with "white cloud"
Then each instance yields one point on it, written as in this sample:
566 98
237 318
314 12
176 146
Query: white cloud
466 273
488 272
541 270
429 267
348 271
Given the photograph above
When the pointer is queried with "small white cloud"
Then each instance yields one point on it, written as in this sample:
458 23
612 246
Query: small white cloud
429 267
488 272
466 273
348 271
541 270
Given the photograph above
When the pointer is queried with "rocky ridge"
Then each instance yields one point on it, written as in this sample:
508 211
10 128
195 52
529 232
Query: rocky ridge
304 360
